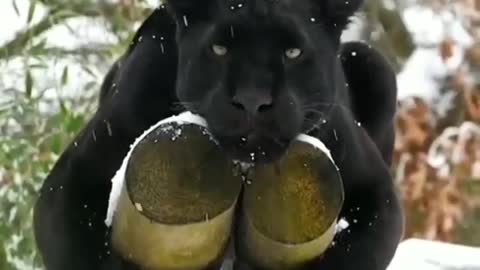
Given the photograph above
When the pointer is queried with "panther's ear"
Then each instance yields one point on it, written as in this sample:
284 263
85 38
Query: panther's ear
183 5
336 13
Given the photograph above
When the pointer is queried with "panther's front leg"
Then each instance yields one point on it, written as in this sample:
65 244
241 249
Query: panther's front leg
375 226
371 206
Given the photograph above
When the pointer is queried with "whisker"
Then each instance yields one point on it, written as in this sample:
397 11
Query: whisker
279 142
322 104
314 111
183 105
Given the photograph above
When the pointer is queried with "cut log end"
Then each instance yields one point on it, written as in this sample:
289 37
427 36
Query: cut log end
179 176
291 207
177 205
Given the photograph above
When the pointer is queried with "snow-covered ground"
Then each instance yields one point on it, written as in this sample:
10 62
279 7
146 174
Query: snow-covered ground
416 254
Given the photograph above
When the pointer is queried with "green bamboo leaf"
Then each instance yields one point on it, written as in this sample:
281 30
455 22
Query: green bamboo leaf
39 48
37 66
64 79
89 71
3 258
15 7
63 107
31 11
28 84
90 85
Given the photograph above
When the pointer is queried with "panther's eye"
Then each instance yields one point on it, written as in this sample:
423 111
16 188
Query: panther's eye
219 50
293 53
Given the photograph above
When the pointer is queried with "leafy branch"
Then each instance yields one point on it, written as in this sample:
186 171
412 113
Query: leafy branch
59 13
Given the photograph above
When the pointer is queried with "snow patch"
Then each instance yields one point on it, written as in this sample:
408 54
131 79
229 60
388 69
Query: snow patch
431 255
342 225
425 71
315 142
14 22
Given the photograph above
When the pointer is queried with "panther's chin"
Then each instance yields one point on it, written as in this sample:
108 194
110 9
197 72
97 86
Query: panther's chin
254 148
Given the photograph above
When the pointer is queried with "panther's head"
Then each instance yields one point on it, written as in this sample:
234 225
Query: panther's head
259 71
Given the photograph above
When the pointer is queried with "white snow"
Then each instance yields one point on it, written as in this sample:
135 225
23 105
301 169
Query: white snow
81 84
18 22
355 28
79 32
417 254
85 74
317 144
73 33
449 148
342 224
86 33
424 72
119 177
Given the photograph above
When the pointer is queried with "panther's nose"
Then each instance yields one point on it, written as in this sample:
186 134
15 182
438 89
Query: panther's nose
253 102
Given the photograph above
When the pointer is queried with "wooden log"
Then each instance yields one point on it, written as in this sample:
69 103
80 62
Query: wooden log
177 204
290 208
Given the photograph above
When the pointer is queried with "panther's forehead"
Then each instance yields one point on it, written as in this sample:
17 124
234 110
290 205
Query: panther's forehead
328 16
261 17
261 10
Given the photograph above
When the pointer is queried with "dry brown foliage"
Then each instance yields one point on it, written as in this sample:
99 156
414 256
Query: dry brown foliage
432 163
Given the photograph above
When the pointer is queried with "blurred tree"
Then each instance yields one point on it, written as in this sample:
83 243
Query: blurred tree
119 15
386 31
32 137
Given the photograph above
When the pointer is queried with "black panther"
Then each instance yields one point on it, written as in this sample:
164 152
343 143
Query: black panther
260 72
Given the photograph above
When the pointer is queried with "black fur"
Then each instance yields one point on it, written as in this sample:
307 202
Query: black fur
170 67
